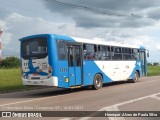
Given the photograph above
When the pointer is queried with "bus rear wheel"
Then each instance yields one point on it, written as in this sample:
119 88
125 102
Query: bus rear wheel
98 82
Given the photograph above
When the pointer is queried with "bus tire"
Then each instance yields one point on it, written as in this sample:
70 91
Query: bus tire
98 82
136 76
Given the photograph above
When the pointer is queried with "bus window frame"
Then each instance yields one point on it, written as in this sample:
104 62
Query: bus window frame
41 56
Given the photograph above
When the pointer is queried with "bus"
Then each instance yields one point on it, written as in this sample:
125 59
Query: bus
69 62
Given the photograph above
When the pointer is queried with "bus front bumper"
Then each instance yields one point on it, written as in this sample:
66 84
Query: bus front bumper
52 81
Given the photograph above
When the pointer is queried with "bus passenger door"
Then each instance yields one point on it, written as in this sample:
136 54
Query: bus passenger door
143 63
74 64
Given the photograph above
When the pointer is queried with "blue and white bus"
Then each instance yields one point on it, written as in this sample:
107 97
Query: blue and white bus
67 62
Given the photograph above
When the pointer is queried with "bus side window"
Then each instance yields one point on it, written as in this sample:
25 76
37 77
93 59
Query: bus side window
84 52
77 56
62 51
135 54
126 53
71 57
117 53
89 51
112 52
103 52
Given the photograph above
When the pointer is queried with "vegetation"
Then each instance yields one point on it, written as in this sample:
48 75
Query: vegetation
10 62
153 70
10 79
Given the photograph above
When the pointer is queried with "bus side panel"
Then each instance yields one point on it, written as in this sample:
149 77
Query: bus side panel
90 69
116 70
62 68
136 68
110 70
52 51
59 68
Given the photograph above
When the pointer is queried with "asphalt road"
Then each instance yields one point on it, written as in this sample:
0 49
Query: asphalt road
141 96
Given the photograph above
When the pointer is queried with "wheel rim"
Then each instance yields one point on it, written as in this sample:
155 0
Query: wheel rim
98 81
136 77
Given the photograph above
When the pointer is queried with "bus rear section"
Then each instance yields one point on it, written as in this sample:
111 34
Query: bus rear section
35 62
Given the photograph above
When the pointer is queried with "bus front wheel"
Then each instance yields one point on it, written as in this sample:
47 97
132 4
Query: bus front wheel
98 82
136 76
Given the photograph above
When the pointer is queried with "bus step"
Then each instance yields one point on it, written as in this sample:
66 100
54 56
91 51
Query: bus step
75 87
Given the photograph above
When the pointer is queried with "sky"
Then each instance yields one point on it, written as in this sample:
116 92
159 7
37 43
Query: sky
125 21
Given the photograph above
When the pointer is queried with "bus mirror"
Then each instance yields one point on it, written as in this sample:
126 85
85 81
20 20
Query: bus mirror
147 54
147 51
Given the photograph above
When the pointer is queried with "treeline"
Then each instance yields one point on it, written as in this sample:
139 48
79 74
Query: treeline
154 64
10 62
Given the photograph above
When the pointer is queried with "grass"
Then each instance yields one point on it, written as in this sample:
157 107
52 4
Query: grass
153 70
10 79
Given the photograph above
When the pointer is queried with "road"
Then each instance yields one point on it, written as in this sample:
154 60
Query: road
141 96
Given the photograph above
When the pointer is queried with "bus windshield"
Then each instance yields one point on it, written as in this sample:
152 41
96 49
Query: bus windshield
34 48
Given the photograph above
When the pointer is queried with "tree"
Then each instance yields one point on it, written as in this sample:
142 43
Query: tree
155 64
10 62
149 64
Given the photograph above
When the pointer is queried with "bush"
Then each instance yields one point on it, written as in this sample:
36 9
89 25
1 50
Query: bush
10 62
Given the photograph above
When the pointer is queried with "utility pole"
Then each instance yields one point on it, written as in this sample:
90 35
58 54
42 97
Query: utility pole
1 31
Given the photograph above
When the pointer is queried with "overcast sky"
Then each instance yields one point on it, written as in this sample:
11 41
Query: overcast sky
125 21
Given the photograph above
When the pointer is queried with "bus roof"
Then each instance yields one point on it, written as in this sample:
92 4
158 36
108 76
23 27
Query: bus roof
106 43
60 37
83 40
